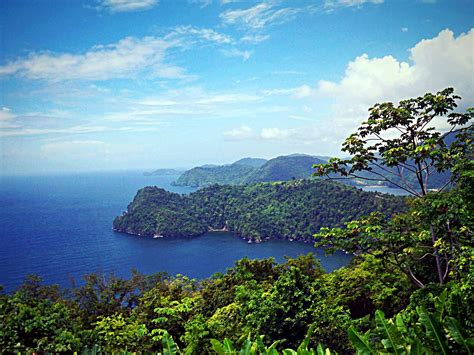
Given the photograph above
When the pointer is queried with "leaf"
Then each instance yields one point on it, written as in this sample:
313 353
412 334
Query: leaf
320 350
360 342
390 332
456 333
228 346
169 346
304 344
433 330
217 346
246 347
400 324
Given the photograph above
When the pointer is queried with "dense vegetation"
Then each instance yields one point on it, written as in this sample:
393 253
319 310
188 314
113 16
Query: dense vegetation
205 176
296 209
409 290
298 166
250 170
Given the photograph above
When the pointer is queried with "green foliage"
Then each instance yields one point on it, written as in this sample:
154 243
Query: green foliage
35 318
295 209
116 333
248 171
422 331
409 158
205 176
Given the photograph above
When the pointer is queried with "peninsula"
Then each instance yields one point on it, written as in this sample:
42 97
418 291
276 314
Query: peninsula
294 210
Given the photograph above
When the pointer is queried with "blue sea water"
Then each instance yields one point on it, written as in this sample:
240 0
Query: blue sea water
59 227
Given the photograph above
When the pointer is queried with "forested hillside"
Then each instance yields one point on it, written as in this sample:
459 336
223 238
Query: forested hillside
223 174
250 170
295 209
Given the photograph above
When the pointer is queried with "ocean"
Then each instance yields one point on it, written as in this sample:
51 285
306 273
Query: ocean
59 227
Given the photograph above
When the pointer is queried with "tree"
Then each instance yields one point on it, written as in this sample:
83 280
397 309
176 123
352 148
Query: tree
399 145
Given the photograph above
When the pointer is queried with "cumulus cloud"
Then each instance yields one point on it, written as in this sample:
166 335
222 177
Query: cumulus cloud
275 133
436 63
126 5
241 133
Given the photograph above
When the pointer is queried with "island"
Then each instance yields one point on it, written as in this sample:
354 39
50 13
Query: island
293 210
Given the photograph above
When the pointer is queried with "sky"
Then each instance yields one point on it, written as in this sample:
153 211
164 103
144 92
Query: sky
145 84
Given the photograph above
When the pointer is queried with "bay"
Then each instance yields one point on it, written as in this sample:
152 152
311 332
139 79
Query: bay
59 227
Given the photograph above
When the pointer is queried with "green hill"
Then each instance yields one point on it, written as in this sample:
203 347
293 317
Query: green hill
205 176
255 162
295 209
250 170
284 168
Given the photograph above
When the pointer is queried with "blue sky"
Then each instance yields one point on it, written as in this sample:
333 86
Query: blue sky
142 84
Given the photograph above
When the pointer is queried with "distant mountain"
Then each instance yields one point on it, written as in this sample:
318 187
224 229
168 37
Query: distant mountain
163 172
284 168
223 175
255 162
251 170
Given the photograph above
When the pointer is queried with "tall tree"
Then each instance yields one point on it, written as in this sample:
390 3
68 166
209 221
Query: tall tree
400 145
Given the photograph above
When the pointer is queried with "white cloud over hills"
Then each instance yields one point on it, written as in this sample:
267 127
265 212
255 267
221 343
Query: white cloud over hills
436 63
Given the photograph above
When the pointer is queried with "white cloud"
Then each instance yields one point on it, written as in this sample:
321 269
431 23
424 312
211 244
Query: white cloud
187 103
225 2
126 58
123 59
126 5
202 3
404 29
234 52
254 39
275 133
444 61
437 63
241 133
71 130
333 4
259 16
6 114
204 34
